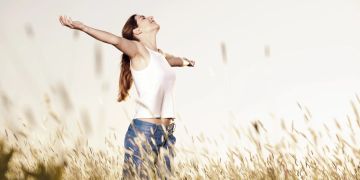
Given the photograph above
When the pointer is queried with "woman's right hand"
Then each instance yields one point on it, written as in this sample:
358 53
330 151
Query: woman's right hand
66 21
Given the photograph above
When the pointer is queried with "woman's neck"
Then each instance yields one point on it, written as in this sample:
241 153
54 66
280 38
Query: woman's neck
150 42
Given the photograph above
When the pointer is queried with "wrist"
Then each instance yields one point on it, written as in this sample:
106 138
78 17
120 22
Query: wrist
84 28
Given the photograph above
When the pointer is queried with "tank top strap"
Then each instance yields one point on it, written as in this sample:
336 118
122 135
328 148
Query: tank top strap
149 49
155 51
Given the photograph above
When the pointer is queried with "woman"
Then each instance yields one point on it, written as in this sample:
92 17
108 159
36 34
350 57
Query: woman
149 137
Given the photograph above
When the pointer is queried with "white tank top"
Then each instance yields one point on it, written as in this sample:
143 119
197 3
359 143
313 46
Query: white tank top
154 86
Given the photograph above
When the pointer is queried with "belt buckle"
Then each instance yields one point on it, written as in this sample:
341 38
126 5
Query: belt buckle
170 128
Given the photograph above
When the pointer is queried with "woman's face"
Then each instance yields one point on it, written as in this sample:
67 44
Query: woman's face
146 24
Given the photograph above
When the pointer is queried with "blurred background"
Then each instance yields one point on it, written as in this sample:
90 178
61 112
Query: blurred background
271 61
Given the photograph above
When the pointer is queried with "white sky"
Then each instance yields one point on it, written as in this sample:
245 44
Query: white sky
314 58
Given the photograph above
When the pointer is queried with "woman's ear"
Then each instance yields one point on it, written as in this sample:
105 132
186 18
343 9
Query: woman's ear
137 31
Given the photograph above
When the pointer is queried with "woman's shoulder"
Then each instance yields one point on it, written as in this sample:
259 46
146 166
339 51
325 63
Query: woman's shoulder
142 59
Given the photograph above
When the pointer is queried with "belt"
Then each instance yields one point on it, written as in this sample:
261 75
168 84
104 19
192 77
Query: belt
157 121
170 128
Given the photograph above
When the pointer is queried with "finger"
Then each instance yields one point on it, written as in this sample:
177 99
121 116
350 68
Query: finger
66 24
67 21
62 20
71 23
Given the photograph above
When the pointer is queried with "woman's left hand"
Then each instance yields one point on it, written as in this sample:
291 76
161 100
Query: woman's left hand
191 62
68 22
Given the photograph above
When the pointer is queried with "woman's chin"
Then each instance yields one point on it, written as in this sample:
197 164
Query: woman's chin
157 28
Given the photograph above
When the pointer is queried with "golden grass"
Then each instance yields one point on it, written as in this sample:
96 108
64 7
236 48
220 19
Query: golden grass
21 159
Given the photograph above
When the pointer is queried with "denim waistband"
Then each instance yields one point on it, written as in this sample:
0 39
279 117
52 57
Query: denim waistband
139 123
143 123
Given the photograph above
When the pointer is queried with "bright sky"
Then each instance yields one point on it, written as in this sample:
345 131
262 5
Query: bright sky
314 59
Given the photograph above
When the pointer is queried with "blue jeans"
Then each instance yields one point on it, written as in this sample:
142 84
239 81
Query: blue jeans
147 149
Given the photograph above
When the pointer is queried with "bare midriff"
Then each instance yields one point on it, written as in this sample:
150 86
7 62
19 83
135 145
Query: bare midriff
158 121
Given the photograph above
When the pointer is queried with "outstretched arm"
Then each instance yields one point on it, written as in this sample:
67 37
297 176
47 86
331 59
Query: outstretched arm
126 46
175 61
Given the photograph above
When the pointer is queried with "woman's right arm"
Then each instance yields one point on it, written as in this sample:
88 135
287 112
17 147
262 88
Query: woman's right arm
126 46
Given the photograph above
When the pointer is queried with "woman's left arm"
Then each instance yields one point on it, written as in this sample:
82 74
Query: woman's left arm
175 61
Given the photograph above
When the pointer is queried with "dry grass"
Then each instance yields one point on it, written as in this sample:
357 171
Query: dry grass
339 159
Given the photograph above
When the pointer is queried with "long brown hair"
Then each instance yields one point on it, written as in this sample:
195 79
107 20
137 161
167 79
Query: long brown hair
126 80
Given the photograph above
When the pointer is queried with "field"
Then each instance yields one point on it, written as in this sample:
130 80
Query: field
312 154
